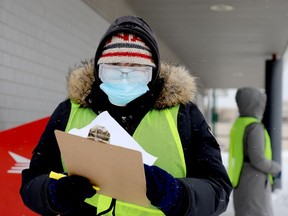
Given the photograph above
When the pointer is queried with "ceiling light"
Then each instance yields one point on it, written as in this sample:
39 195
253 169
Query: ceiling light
221 8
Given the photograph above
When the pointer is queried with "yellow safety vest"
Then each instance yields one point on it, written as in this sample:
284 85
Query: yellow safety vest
157 134
236 148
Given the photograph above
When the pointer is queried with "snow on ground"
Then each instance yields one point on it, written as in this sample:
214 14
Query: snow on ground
279 196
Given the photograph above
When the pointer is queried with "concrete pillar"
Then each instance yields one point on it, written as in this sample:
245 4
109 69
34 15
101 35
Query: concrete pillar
273 114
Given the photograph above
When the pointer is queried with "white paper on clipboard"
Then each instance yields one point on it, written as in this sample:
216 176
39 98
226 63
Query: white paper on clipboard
118 136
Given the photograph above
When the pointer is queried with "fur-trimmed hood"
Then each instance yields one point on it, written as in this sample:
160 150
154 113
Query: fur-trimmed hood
179 85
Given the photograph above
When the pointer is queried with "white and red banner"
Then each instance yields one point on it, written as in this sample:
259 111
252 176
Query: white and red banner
16 146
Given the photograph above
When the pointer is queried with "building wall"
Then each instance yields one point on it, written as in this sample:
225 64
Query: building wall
39 41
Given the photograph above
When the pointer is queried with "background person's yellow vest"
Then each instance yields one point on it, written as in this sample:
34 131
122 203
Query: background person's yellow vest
236 148
157 133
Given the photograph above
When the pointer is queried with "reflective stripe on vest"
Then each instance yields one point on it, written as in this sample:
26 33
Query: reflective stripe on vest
236 148
157 134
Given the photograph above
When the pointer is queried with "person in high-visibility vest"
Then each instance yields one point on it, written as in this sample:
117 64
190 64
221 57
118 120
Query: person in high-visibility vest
155 103
250 166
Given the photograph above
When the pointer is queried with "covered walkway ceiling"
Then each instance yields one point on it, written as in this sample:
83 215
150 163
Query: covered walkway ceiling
226 49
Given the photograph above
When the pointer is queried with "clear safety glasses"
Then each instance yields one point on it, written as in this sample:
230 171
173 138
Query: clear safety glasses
133 74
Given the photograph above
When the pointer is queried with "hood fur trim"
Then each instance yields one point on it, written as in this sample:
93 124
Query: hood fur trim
179 85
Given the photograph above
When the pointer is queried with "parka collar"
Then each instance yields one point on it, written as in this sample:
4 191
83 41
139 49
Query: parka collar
179 85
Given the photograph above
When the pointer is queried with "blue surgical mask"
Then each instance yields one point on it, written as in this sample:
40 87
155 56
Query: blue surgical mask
123 84
120 94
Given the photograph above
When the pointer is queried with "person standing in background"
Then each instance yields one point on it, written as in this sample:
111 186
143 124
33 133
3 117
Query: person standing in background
250 168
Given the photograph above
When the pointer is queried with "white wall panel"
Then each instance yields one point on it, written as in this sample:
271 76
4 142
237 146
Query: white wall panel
39 41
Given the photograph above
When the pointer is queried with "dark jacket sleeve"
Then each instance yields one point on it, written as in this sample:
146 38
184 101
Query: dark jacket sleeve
45 158
207 182
254 141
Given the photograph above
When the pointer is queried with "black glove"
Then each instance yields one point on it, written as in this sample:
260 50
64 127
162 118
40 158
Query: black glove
277 176
68 192
163 190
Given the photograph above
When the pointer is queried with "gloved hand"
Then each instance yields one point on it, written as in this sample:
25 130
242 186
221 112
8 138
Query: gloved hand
277 176
163 190
68 192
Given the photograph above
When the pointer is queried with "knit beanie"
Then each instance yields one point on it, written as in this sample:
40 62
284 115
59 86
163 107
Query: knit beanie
126 48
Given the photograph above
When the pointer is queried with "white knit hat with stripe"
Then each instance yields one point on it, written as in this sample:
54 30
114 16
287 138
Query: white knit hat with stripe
126 48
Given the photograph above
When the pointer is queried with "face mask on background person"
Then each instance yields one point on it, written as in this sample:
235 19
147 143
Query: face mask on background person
123 84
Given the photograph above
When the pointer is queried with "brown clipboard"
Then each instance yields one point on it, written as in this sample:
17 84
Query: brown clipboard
117 171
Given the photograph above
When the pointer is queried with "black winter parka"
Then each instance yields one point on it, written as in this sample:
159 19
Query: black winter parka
207 182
